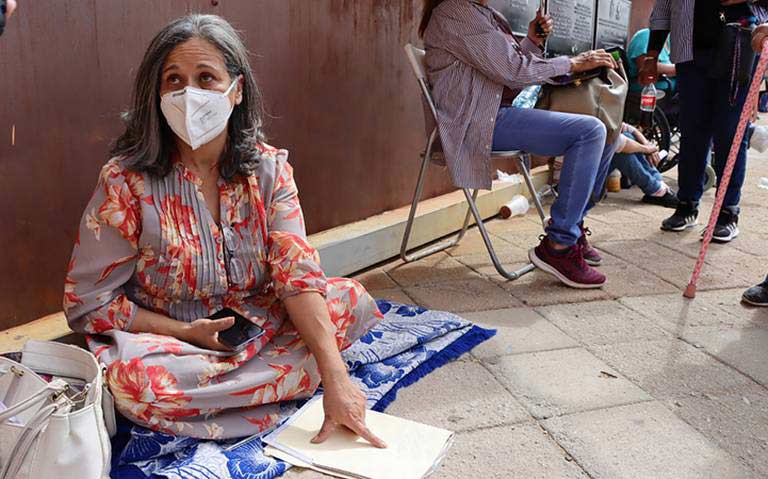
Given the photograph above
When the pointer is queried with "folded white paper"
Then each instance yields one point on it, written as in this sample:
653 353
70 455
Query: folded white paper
413 449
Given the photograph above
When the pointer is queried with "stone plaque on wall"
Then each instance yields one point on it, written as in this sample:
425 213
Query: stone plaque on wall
612 23
574 26
518 13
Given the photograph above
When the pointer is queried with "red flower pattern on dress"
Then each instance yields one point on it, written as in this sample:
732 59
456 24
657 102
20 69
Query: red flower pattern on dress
120 211
147 392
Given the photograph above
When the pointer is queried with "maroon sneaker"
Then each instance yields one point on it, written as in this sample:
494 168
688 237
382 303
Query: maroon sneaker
591 255
568 265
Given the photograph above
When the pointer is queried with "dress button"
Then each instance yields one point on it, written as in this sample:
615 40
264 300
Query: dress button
220 256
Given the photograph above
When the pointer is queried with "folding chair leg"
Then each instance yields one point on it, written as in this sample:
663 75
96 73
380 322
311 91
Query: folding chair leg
523 162
443 245
489 245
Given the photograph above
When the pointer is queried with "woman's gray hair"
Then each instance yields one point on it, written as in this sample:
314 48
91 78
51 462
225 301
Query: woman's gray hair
148 142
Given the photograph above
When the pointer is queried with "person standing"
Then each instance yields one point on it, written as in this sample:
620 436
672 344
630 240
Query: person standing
709 107
758 295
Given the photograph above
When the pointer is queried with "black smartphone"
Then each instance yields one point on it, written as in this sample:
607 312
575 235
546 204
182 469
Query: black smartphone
241 333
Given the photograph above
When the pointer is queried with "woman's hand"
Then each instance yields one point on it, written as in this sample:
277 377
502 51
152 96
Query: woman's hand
631 146
545 24
759 36
592 59
205 333
344 406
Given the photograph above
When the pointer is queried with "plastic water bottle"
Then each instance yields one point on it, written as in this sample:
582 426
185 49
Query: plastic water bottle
647 105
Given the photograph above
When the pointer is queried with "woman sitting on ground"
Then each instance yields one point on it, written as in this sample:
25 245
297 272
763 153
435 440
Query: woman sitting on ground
476 68
636 158
193 214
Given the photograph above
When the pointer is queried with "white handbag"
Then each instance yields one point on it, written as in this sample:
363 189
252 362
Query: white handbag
56 429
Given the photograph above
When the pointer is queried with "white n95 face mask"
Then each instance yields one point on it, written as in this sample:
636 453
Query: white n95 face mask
197 116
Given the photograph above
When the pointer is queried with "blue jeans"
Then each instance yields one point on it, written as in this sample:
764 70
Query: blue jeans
581 140
636 168
706 115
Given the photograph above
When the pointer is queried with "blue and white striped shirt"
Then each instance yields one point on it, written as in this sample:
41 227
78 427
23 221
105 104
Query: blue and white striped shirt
676 17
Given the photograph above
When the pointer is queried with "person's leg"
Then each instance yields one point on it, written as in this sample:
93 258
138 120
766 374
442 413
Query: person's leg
636 168
697 106
726 118
579 138
696 92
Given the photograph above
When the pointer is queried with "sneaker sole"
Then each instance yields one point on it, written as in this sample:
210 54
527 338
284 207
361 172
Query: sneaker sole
726 239
752 303
678 229
544 266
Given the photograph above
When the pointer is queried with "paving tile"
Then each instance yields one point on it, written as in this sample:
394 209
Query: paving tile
602 322
744 349
614 216
459 396
752 243
677 314
375 279
432 269
472 243
519 330
563 381
670 368
538 288
481 262
642 441
392 294
673 266
475 294
737 422
638 230
522 232
626 279
520 452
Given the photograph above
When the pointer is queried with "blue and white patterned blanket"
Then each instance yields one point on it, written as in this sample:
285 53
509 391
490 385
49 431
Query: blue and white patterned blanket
407 344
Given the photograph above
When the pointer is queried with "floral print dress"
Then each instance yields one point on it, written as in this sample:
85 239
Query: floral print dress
151 242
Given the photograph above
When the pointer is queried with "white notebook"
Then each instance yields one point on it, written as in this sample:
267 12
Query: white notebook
413 449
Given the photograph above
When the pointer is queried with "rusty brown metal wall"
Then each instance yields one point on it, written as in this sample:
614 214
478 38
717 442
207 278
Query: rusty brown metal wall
333 77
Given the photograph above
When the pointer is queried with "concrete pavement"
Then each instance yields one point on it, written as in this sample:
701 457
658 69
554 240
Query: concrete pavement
630 381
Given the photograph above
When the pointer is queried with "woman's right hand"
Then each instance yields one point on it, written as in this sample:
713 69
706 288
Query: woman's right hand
205 333
592 59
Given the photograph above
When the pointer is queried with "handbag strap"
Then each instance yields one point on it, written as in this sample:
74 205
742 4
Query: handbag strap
55 387
28 436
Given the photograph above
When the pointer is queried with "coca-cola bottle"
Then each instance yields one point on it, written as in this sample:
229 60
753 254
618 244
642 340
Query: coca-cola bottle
647 105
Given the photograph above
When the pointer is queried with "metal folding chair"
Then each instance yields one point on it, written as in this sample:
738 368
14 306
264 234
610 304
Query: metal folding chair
522 159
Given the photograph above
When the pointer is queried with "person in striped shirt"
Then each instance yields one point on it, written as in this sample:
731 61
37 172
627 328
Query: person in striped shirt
710 103
476 68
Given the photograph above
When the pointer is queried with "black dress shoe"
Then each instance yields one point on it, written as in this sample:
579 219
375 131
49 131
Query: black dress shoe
756 295
669 200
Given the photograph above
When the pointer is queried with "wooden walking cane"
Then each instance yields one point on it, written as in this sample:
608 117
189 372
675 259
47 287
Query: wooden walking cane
746 113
